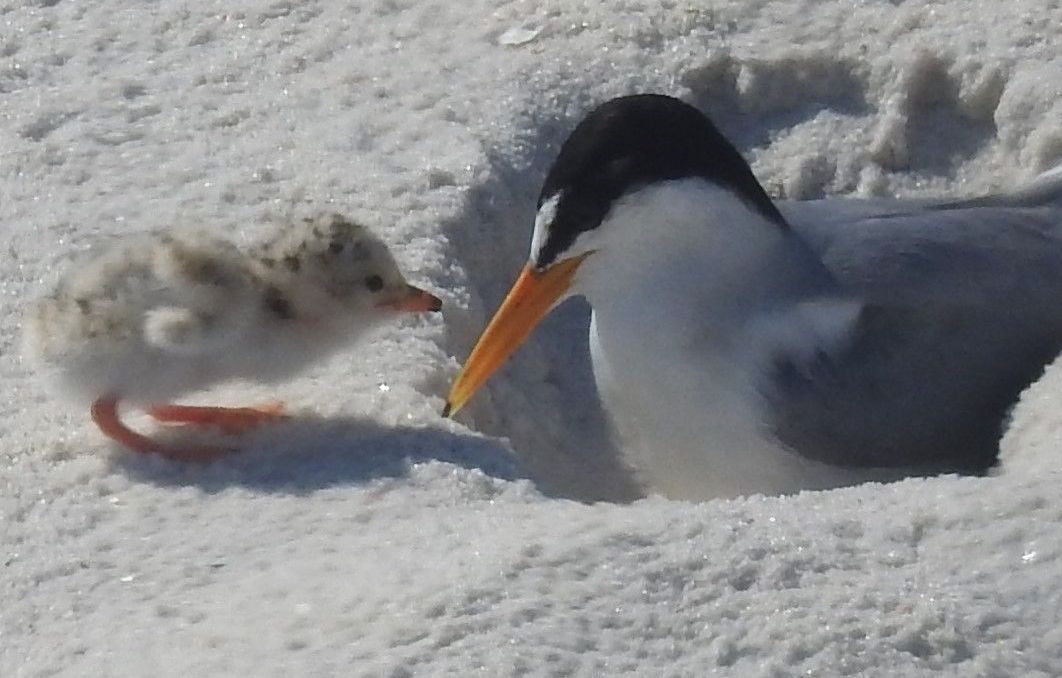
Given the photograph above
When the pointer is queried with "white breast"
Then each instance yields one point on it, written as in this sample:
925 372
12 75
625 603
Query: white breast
691 423
687 316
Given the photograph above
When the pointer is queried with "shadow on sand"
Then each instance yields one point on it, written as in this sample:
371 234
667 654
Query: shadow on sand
543 400
306 454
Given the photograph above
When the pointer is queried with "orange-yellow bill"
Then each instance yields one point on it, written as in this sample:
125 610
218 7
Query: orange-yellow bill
416 300
531 297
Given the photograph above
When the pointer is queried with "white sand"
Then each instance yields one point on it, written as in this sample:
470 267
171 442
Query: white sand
373 538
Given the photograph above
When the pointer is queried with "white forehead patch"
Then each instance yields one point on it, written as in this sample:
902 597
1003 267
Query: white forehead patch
546 214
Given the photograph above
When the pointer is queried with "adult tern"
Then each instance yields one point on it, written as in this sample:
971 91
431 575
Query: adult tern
746 346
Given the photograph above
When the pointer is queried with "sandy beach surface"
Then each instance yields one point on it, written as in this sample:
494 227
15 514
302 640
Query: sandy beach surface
369 536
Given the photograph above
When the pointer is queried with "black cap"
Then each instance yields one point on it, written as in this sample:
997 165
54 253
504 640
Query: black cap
631 142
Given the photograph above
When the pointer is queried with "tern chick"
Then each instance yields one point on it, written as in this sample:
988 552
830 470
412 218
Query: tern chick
156 316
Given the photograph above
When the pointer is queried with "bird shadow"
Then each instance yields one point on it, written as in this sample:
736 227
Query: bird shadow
305 454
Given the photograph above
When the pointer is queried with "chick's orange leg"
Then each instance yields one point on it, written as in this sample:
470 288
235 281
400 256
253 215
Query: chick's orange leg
227 419
105 414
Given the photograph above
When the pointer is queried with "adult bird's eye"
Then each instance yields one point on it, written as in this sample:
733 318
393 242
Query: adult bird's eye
374 283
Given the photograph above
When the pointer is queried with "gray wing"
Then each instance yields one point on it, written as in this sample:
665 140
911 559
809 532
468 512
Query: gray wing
983 256
963 308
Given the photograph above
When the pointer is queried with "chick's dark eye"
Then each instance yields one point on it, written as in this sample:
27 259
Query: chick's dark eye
335 247
374 283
